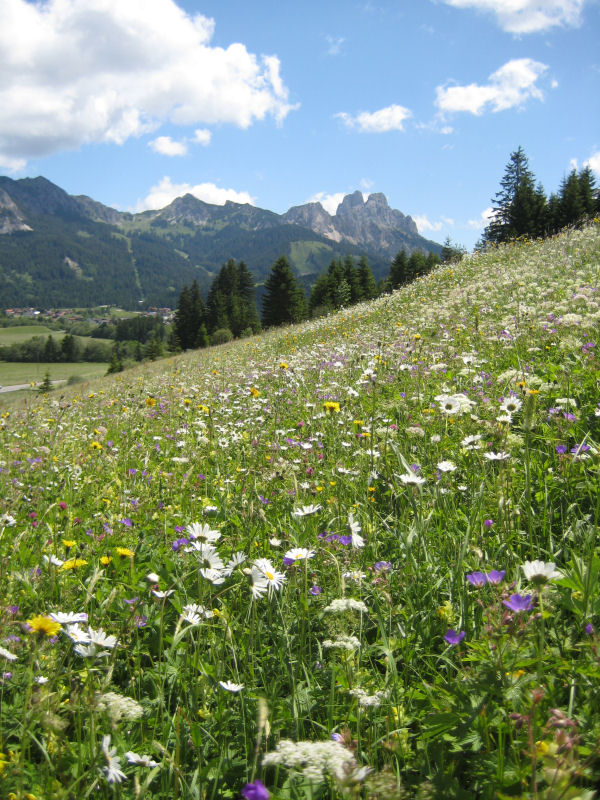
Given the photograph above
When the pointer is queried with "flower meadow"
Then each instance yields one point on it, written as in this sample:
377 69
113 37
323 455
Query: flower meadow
357 557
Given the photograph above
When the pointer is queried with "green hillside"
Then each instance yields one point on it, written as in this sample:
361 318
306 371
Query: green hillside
357 557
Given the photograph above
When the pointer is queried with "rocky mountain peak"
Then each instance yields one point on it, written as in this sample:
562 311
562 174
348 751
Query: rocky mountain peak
350 203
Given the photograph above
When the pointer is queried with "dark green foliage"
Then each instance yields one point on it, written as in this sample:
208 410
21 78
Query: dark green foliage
140 328
189 319
342 285
221 336
230 302
283 302
405 269
366 280
46 385
522 209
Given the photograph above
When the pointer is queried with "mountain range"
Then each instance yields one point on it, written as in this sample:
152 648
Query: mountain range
64 250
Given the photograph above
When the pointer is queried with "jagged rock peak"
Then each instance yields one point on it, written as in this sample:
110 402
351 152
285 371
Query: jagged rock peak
350 202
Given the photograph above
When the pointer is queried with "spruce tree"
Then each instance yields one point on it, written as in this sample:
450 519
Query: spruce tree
283 302
516 207
366 280
398 270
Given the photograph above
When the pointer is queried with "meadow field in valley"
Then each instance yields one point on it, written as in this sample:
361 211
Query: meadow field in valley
357 557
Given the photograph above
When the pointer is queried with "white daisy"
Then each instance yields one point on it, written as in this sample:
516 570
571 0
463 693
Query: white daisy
355 529
299 554
202 532
305 511
112 770
231 687
7 654
140 761
412 479
540 571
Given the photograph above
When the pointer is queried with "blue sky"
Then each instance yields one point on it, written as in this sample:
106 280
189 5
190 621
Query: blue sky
278 102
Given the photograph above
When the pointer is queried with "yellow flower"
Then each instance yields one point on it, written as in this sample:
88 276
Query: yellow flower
69 542
105 560
445 612
150 401
73 563
254 392
330 405
45 625
124 551
283 365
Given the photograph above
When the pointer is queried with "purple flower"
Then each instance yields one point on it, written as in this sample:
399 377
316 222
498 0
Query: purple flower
495 576
488 523
517 602
477 579
589 629
345 539
132 471
452 637
255 791
382 566
126 521
580 448
315 590
561 449
179 543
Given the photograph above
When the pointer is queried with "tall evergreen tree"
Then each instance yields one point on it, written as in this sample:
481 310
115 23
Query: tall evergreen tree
398 270
189 318
283 301
519 207
366 280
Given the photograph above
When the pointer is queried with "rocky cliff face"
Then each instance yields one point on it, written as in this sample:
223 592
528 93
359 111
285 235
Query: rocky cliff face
11 218
371 224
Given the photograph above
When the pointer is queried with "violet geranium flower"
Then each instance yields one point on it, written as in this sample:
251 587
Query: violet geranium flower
453 637
518 603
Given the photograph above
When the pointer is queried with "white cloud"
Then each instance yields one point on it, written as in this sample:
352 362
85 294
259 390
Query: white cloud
334 45
508 87
423 223
202 136
593 162
168 147
527 16
330 202
387 119
483 220
166 191
78 71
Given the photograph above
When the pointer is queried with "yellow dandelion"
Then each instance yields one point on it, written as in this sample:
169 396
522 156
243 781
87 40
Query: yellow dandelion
254 392
124 551
283 365
44 625
331 406
74 563
105 560
96 446
69 542
150 401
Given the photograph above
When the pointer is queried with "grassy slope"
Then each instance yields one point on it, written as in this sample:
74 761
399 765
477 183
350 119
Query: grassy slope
239 436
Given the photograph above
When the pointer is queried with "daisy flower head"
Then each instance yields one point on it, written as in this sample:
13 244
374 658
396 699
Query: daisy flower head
540 571
272 580
202 532
112 770
140 761
229 686
355 529
297 554
412 479
305 511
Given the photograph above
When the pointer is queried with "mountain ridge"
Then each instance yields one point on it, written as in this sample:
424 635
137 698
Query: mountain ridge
152 254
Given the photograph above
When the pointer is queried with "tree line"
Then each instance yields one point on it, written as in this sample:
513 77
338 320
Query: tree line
521 208
230 308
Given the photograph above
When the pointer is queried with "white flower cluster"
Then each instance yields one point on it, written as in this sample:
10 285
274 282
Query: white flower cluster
316 760
343 643
368 700
346 604
118 706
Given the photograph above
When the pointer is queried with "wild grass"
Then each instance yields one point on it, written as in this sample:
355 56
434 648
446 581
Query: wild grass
358 557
